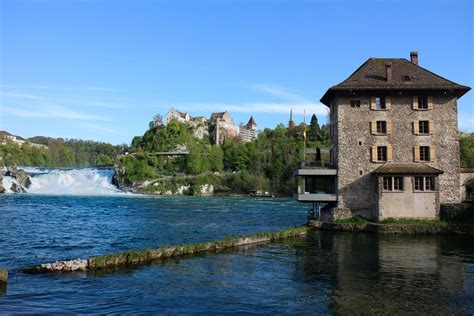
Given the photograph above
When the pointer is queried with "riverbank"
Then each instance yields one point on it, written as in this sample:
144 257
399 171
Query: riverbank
435 227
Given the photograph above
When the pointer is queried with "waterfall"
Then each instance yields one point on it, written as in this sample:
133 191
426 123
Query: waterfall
87 181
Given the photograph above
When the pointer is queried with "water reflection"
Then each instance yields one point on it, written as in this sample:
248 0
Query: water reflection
390 274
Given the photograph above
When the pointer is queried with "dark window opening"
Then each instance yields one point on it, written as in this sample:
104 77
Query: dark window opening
429 184
381 127
380 103
419 184
423 103
382 153
424 127
355 103
424 153
406 78
360 143
398 183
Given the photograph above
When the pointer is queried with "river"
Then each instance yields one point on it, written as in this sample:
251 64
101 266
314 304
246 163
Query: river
325 273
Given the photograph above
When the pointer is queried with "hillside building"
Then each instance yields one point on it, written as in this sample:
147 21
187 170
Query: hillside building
249 131
394 149
175 114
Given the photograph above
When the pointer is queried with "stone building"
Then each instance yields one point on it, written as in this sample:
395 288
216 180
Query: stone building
175 114
249 131
222 127
393 143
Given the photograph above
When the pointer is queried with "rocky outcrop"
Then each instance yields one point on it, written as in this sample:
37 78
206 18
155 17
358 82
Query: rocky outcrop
21 176
21 181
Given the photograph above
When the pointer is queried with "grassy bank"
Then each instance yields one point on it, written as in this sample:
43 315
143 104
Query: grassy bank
134 257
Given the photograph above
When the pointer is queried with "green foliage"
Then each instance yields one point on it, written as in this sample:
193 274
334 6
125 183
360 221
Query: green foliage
59 153
354 220
411 221
466 150
136 169
457 212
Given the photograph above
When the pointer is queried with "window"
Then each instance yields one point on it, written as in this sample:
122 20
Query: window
406 78
419 184
381 153
355 103
381 127
424 127
393 183
380 103
425 183
423 103
429 184
387 183
424 153
397 183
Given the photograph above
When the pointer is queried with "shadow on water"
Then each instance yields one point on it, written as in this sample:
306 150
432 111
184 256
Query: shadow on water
389 274
3 288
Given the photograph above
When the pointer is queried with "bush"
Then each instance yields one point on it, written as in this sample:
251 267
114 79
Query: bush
457 212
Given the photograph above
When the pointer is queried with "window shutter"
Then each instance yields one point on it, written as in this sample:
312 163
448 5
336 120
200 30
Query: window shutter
373 127
432 153
388 103
416 153
416 127
389 153
415 103
374 153
389 127
430 103
373 105
432 127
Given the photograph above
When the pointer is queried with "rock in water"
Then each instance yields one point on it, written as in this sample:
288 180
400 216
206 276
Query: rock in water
21 177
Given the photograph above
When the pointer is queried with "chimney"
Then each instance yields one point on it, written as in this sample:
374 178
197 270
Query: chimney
388 70
414 57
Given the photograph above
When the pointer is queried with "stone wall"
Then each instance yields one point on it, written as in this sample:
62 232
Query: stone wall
357 188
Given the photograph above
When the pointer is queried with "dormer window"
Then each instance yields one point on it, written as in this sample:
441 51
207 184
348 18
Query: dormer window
406 78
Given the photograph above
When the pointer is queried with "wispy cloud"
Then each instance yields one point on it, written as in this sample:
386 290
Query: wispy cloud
20 95
262 107
103 129
50 111
279 92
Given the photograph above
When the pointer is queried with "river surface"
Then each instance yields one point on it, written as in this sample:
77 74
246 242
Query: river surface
325 273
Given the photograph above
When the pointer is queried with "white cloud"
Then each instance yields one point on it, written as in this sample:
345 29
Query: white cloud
103 129
466 123
50 111
271 108
279 92
20 95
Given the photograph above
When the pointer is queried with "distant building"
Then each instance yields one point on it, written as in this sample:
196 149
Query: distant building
6 137
222 127
175 114
249 131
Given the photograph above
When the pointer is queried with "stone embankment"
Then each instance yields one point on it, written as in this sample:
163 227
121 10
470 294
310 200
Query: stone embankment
134 257
435 228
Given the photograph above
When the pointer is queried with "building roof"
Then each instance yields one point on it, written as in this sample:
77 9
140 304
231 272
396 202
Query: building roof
251 122
406 168
181 114
405 76
217 115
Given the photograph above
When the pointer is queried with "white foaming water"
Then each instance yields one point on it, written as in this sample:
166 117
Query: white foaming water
87 181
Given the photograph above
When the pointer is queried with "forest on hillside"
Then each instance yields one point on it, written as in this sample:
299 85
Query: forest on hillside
264 164
60 153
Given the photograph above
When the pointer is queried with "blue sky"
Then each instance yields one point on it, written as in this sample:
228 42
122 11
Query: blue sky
101 69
